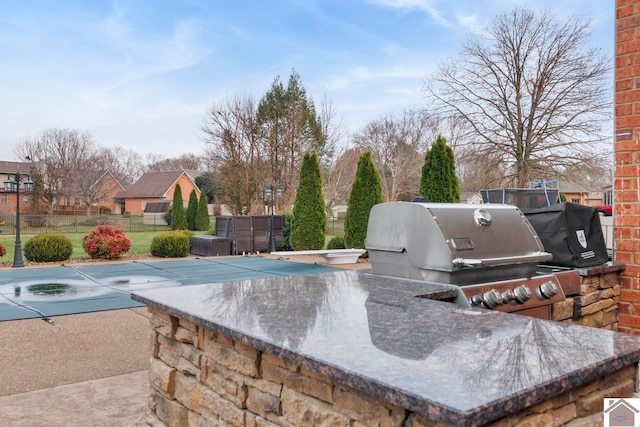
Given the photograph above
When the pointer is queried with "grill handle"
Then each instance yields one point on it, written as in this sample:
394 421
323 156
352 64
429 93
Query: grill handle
489 262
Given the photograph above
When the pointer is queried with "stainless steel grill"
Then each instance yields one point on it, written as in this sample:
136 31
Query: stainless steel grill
489 253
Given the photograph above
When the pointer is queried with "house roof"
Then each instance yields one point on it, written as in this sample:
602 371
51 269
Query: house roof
95 175
13 167
153 185
567 186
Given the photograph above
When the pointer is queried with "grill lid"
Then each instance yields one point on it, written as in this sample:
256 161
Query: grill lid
441 237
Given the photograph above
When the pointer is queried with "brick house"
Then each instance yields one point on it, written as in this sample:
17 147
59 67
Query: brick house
89 191
154 187
7 198
574 192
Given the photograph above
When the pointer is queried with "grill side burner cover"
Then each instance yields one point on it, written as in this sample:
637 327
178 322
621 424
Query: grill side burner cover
451 243
571 232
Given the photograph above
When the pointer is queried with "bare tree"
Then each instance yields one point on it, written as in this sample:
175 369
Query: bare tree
90 186
332 130
159 163
58 154
126 166
338 181
397 146
532 93
231 130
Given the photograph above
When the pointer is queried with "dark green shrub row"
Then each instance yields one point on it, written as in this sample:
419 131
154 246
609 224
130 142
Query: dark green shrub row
48 248
336 243
171 244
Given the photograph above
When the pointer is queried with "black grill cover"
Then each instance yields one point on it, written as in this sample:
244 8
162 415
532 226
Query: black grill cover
571 233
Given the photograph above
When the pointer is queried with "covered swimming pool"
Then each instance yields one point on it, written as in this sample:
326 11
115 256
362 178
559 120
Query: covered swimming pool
70 289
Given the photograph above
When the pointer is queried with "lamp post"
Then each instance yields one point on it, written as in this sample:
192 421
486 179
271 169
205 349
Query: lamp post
13 186
270 194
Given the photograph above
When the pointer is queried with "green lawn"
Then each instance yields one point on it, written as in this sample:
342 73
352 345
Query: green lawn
140 240
140 244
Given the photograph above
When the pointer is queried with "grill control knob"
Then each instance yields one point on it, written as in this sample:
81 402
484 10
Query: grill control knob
492 299
508 296
547 290
522 294
475 301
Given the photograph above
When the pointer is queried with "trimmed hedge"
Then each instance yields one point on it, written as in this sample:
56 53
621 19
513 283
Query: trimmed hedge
48 248
171 244
336 242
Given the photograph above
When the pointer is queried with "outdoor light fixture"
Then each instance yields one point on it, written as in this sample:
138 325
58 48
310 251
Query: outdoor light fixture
269 193
12 185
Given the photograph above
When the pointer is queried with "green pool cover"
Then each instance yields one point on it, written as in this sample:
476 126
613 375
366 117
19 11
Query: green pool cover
69 289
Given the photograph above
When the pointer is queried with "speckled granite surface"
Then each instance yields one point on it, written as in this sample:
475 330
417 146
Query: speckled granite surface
453 364
609 267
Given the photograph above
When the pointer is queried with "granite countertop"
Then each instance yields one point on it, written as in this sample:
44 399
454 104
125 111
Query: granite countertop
454 364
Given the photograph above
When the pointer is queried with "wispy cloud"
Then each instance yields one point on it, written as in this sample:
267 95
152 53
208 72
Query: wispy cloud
361 75
427 6
143 54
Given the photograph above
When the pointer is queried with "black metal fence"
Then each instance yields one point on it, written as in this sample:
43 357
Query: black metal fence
63 224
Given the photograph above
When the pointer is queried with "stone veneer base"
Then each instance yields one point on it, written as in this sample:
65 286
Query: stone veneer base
202 378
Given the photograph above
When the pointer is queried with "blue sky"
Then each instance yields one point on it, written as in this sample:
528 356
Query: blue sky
140 74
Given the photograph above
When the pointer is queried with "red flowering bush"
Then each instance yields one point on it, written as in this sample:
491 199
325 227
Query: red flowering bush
105 242
3 250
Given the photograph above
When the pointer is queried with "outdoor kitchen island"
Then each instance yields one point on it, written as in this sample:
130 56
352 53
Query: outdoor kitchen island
351 349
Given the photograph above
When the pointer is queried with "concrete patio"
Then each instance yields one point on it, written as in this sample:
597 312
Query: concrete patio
84 369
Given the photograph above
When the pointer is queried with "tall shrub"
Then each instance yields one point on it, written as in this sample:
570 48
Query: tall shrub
365 193
178 215
439 182
286 231
308 209
202 214
192 210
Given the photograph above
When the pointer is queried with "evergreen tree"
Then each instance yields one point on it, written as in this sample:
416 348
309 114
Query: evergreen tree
308 210
365 193
202 214
178 215
192 210
208 187
438 181
289 128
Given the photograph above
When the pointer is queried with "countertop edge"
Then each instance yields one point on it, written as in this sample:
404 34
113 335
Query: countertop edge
479 415
610 267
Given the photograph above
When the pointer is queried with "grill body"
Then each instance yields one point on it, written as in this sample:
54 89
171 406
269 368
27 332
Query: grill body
490 253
